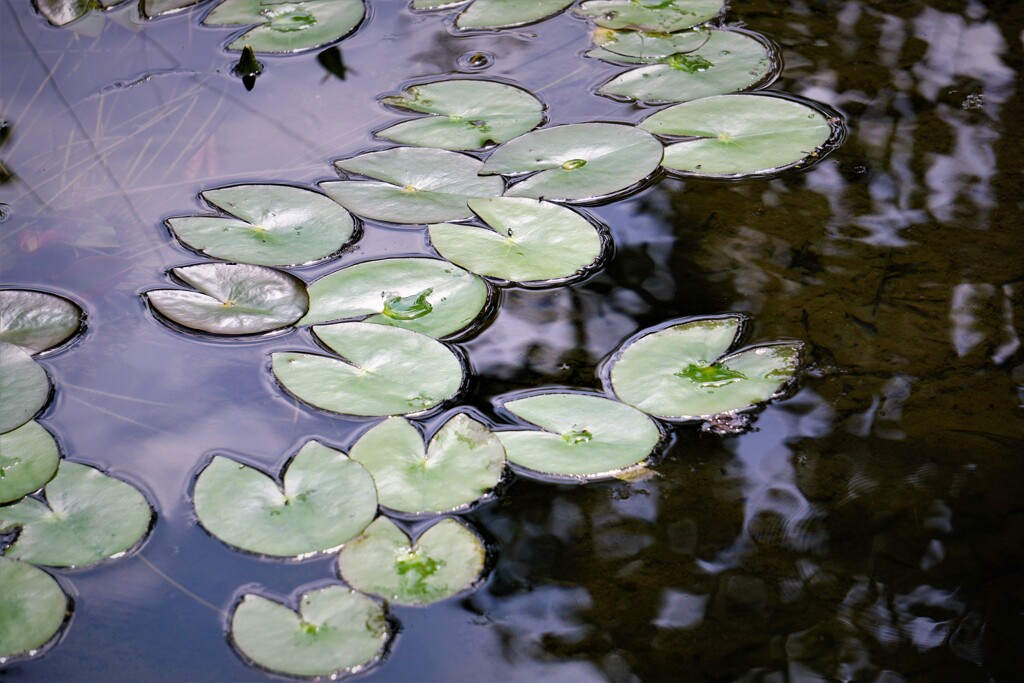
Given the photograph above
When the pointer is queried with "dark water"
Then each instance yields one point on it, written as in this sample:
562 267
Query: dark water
869 529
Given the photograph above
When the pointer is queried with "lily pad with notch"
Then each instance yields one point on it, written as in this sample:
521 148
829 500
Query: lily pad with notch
661 16
638 47
28 459
285 27
383 371
33 608
412 185
324 499
24 387
446 559
496 14
585 436
528 242
37 321
232 299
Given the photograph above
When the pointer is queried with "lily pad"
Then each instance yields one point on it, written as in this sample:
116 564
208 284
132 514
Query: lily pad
445 560
462 463
32 608
336 631
288 26
661 16
426 295
728 62
637 47
87 517
577 162
386 371
585 436
683 371
324 500
740 135
158 8
412 185
37 321
497 14
531 241
28 459
232 299
466 114
24 387
63 12
273 225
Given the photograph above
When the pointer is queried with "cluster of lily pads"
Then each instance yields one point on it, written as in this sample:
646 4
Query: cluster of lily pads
53 512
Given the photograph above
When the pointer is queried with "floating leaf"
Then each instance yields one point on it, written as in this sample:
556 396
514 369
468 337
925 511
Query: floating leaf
24 387
496 14
682 372
233 299
585 437
324 500
412 185
386 371
37 321
637 47
446 559
159 8
426 295
729 61
436 4
467 114
62 12
740 135
274 225
32 608
661 16
531 241
463 462
582 162
288 26
87 517
28 459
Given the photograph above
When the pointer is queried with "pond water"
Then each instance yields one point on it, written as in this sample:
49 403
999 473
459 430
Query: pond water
868 528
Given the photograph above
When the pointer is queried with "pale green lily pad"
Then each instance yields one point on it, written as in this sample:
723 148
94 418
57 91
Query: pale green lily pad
497 14
28 459
32 609
87 517
577 162
740 135
385 371
462 463
285 27
466 114
232 299
728 62
585 436
412 185
637 47
159 8
445 560
436 4
336 631
683 372
324 500
661 16
37 321
24 387
273 225
531 242
425 295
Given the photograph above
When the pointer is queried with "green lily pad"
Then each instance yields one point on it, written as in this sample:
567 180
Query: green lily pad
273 225
728 62
386 371
336 631
24 387
683 371
462 463
577 162
585 436
232 299
466 114
37 321
531 241
497 14
661 16
32 609
445 560
288 26
28 459
158 8
412 185
324 500
87 517
425 295
740 135
637 47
